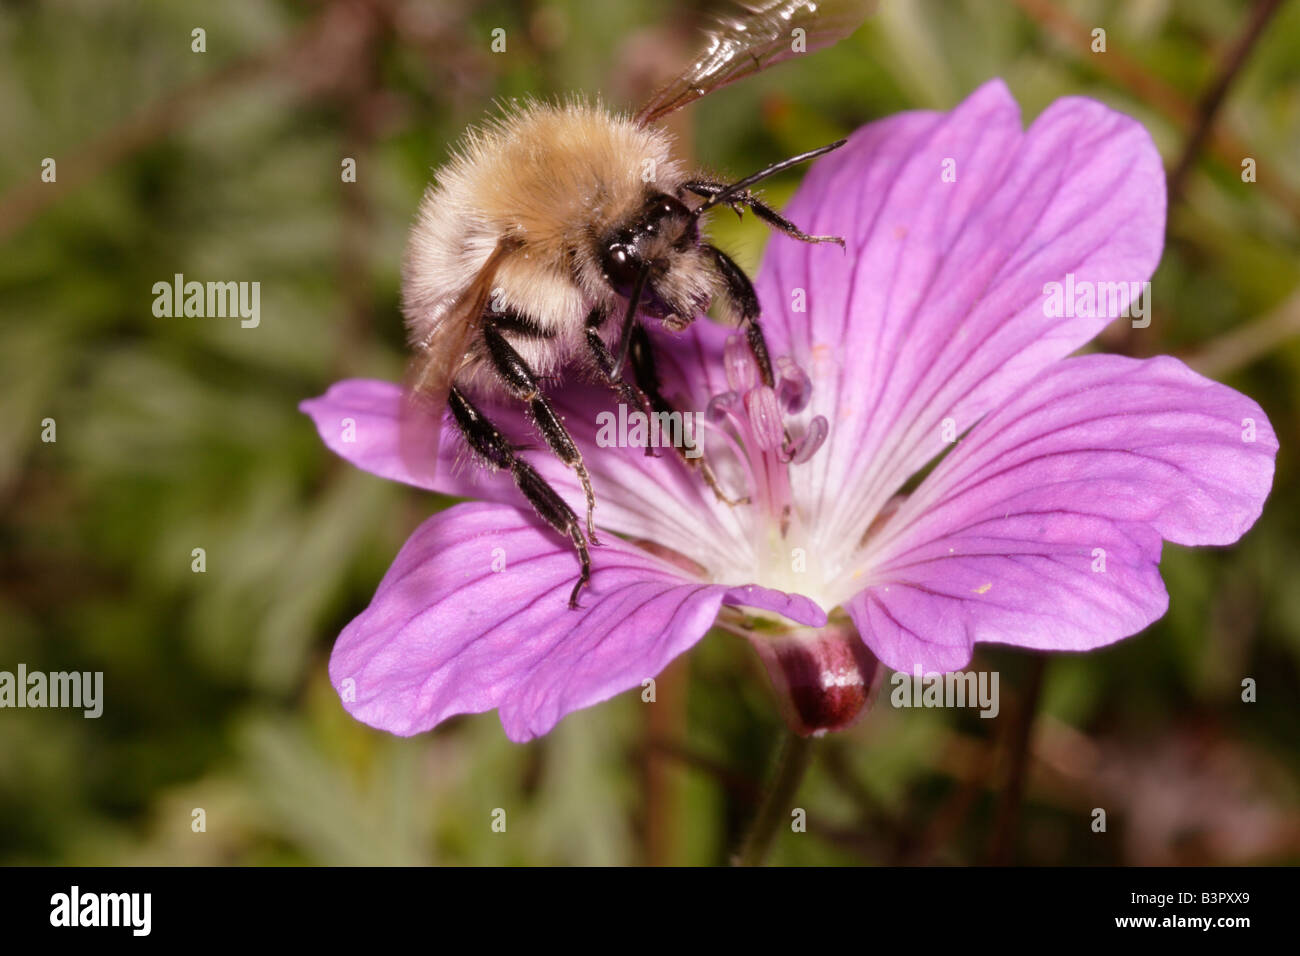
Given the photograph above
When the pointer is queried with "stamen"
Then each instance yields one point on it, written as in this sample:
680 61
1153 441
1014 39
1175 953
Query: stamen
720 406
752 417
765 418
755 445
793 386
738 361
803 449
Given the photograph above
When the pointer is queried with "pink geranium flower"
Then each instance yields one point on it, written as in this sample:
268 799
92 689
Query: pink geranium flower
1042 526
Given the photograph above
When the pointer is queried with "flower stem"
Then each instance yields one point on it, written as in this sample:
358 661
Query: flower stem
796 755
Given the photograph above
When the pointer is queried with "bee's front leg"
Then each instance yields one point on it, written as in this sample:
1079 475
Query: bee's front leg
646 373
708 189
605 362
745 301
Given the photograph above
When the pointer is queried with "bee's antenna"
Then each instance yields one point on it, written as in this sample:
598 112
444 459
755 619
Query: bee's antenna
743 184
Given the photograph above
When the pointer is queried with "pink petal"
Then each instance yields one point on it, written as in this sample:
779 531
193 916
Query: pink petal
447 634
652 498
1001 543
359 420
937 310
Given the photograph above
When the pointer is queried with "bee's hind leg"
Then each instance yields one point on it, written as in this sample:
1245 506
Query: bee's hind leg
493 447
522 383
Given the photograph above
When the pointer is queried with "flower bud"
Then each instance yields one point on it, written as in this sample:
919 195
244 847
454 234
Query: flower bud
826 678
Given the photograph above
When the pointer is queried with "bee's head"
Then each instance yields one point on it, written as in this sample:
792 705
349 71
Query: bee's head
664 241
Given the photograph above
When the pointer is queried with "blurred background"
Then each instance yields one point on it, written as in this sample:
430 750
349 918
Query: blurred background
179 433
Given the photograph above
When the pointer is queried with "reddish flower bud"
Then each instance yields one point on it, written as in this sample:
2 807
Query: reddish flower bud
825 678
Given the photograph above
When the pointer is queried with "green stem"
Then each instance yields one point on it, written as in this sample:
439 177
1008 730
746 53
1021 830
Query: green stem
796 755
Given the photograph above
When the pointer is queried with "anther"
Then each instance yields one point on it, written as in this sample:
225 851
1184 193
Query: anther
720 406
738 361
793 386
804 448
764 418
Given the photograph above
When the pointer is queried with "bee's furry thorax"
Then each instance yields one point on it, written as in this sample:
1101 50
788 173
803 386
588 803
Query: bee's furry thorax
553 178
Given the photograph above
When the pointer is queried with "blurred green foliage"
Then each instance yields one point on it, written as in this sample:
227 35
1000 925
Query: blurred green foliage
182 433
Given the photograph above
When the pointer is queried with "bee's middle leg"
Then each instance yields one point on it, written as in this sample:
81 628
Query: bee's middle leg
521 382
494 448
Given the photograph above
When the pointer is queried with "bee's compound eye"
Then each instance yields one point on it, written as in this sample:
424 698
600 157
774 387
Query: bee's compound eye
621 265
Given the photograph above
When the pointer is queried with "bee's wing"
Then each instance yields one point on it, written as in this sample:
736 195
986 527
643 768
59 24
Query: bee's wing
432 370
753 38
